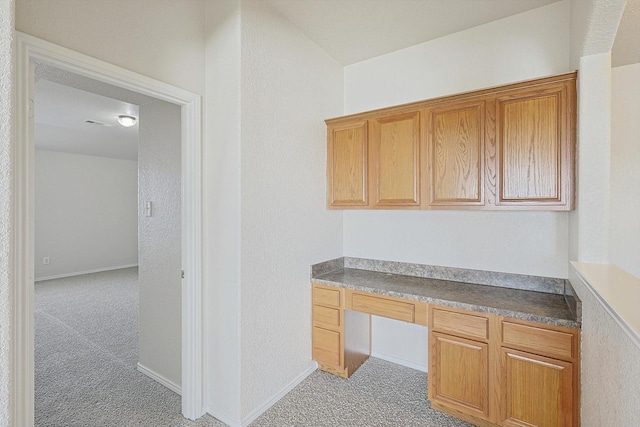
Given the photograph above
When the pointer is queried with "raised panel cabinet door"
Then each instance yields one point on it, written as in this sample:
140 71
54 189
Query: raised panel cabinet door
347 162
458 374
536 391
535 146
395 160
455 141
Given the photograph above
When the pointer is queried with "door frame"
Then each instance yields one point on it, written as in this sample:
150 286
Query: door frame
32 48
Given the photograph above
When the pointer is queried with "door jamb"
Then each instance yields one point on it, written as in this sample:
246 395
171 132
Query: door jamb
27 49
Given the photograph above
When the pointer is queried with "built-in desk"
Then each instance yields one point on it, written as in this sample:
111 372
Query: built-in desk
497 356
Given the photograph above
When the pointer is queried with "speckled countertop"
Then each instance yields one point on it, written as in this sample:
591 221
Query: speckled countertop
521 304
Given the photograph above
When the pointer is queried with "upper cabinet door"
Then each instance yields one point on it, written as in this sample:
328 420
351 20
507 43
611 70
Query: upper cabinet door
347 155
455 145
395 160
534 146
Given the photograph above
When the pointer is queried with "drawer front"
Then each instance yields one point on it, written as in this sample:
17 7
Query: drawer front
398 310
460 324
326 346
326 297
327 316
538 340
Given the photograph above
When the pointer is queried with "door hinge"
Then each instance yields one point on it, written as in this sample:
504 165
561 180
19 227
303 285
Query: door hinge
31 108
182 274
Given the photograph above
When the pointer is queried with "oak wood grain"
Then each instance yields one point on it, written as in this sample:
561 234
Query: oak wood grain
456 153
347 154
460 324
458 374
394 160
537 391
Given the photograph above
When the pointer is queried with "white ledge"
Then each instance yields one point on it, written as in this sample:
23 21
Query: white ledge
618 291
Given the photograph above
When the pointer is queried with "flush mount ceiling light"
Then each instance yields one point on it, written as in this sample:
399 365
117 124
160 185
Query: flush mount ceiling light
127 121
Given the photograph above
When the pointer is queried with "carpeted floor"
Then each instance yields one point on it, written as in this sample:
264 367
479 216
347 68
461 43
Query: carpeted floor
86 351
86 355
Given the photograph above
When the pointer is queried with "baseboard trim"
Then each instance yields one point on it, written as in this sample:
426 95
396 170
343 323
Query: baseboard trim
225 419
399 361
159 378
286 389
80 273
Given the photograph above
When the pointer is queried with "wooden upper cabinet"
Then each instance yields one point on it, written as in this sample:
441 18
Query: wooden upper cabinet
347 164
508 147
455 145
395 160
534 146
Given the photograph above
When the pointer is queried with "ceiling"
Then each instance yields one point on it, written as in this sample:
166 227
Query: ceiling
64 102
355 30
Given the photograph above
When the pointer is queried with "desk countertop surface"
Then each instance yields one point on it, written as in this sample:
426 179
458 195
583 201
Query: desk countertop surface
520 304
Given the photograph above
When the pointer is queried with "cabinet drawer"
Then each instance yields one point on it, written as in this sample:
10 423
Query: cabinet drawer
398 310
327 297
326 346
327 316
460 324
538 340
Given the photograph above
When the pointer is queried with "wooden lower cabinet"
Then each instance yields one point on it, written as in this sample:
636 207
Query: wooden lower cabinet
340 339
486 369
536 390
458 374
490 370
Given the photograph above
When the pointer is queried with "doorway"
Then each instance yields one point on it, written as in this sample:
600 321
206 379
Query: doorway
31 49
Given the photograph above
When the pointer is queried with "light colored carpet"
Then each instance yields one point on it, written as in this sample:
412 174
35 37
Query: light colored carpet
86 350
379 393
86 355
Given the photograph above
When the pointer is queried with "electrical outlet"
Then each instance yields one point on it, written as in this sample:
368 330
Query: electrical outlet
46 260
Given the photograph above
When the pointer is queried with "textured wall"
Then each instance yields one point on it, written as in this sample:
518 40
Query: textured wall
610 390
163 39
6 123
589 230
221 154
524 46
159 240
625 173
85 213
289 86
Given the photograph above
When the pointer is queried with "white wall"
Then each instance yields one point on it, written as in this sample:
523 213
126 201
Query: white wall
589 232
625 171
6 201
85 213
525 46
159 241
221 198
163 39
289 86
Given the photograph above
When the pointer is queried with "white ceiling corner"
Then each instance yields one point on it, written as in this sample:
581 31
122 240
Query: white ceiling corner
626 47
356 30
